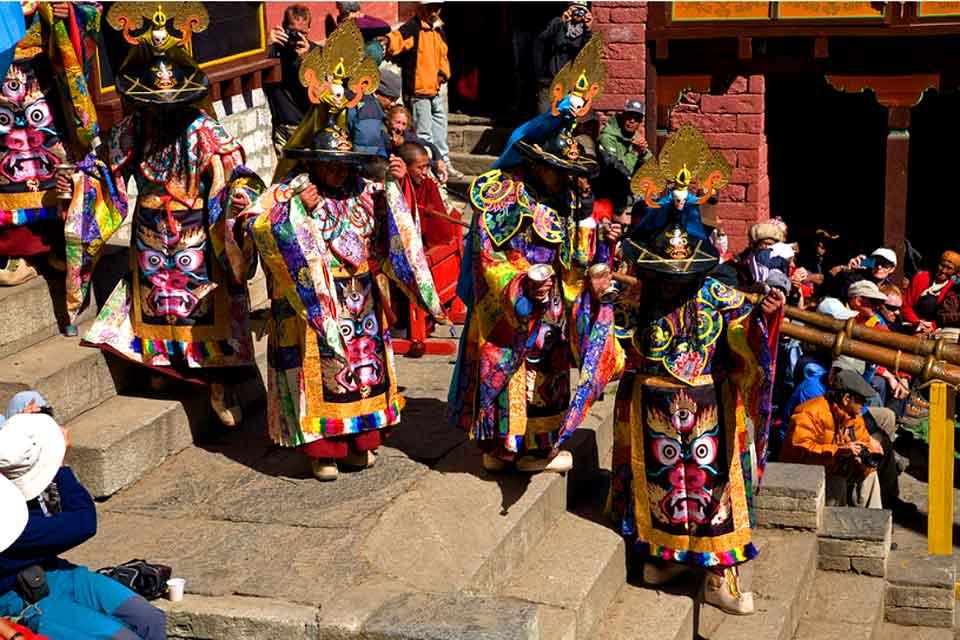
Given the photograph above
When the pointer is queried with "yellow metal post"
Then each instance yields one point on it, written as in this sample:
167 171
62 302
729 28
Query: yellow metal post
940 487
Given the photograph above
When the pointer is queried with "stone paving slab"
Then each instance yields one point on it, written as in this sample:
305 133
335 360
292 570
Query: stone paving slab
645 613
237 618
889 631
845 598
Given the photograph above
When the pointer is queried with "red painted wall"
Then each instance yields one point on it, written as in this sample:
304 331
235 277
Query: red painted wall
319 11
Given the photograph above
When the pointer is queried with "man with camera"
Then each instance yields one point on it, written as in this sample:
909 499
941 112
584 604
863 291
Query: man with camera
830 431
288 98
557 45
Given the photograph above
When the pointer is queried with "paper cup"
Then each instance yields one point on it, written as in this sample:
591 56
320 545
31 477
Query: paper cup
175 588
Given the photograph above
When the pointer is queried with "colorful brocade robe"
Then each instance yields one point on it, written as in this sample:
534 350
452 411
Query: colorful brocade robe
185 304
331 366
690 428
46 113
512 380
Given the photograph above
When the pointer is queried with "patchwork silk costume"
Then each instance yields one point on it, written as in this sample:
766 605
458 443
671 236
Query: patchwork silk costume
47 118
184 308
331 378
693 406
511 387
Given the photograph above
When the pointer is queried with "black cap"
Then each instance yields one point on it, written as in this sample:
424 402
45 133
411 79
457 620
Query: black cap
850 382
635 106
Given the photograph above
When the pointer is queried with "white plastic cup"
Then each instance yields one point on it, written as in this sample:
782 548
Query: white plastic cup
175 588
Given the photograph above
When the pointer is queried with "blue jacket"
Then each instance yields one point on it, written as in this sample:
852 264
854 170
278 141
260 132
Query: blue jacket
365 122
814 377
47 536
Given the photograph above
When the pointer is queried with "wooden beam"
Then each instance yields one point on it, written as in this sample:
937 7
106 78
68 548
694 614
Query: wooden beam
821 48
744 48
671 88
891 91
895 181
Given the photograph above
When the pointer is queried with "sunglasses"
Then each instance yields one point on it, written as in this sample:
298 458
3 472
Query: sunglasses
892 308
883 264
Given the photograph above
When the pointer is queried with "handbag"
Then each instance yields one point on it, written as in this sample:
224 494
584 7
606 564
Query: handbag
145 578
32 584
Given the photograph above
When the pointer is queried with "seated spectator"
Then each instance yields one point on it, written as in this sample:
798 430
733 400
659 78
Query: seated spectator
23 402
366 120
288 98
81 604
928 291
892 309
830 431
864 298
622 143
398 131
878 268
818 260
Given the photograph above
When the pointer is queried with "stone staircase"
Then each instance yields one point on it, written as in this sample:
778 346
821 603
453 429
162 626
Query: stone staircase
118 433
427 545
475 143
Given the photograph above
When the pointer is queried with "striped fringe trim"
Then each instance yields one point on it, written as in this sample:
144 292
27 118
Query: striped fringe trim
329 427
730 558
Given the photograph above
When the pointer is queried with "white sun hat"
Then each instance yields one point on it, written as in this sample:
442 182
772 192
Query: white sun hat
13 506
31 452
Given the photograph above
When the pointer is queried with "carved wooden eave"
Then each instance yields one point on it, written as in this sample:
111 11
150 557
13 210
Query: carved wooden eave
890 91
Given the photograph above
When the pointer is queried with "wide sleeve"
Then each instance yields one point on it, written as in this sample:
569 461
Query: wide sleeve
95 212
406 264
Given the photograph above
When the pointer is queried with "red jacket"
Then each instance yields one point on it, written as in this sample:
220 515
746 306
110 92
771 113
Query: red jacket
918 285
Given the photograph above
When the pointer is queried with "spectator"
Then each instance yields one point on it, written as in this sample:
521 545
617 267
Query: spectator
372 28
366 120
892 309
24 402
557 45
420 48
817 261
878 268
622 142
13 506
397 132
435 230
864 298
928 291
830 431
81 605
288 99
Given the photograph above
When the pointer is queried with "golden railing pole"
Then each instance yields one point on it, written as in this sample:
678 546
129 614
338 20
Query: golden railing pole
940 469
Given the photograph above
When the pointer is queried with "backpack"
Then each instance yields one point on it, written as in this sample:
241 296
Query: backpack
148 580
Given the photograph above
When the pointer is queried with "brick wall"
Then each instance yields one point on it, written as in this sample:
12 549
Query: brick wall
624 29
733 123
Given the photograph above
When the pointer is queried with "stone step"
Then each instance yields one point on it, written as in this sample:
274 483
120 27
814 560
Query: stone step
246 505
72 378
458 119
890 631
471 164
920 589
781 579
578 568
477 139
842 606
31 312
639 613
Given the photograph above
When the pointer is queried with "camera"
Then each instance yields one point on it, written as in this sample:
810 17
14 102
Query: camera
293 37
579 12
872 460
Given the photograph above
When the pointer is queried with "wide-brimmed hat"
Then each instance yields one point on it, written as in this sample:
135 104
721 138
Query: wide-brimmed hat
159 69
13 506
561 151
31 452
866 289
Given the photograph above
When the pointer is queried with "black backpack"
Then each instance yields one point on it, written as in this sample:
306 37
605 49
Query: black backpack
148 580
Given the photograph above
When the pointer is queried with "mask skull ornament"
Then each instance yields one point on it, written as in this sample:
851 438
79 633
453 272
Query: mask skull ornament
684 444
30 146
360 327
174 274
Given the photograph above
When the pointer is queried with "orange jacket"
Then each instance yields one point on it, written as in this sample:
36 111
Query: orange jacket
421 51
817 429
